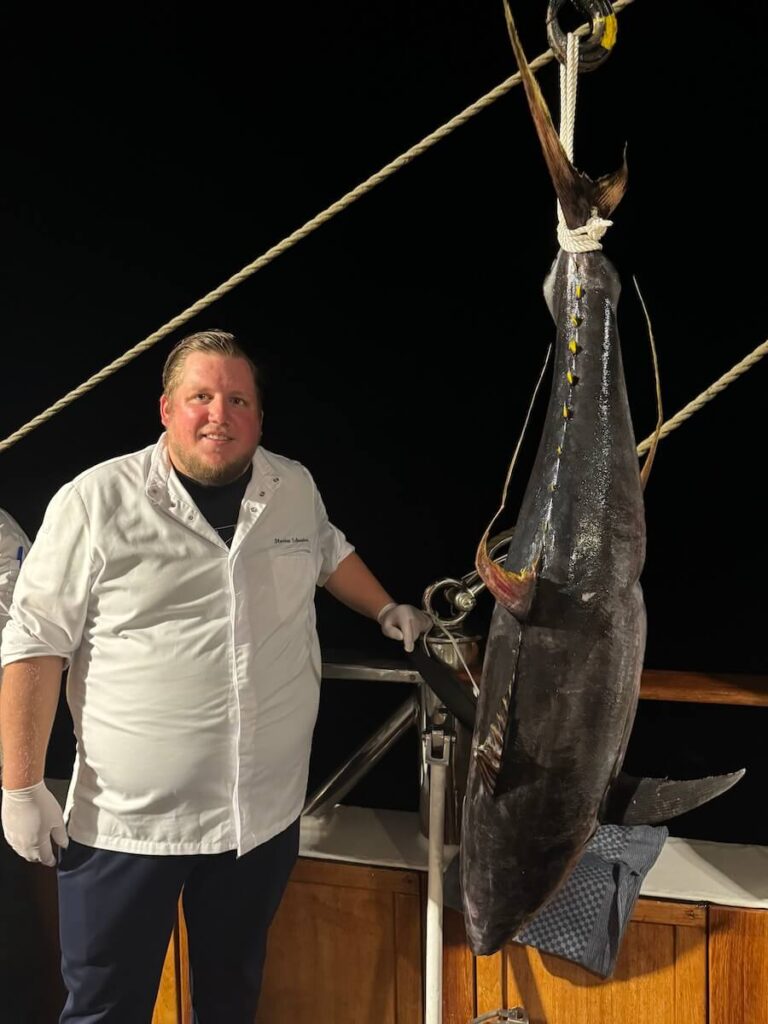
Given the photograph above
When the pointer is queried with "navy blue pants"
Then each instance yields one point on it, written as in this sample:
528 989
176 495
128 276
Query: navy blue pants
116 915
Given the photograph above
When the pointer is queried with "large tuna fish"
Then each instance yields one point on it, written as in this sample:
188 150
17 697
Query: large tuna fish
565 650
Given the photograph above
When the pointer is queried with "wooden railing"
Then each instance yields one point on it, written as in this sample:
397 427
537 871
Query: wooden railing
704 688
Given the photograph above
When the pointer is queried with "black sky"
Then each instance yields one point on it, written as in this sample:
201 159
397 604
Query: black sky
150 151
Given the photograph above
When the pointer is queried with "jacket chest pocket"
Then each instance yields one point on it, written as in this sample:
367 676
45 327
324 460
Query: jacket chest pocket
295 574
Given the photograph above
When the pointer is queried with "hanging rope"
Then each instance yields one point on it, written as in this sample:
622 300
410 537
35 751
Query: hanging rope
347 200
287 243
587 237
569 80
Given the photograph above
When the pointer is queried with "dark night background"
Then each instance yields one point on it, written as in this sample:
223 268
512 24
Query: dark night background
150 155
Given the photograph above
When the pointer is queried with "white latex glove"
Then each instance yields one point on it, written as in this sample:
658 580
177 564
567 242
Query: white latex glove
30 817
403 622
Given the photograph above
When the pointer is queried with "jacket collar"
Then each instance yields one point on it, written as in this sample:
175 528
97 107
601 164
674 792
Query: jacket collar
164 490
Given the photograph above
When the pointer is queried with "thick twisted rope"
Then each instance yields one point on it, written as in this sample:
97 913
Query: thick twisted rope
706 396
287 243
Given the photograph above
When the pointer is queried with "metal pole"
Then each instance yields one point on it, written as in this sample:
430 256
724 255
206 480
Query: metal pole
434 966
438 744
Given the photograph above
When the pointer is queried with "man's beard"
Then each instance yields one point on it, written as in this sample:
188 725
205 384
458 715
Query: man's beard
210 476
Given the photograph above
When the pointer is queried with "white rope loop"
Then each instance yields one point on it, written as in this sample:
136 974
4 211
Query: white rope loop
583 239
569 80
587 237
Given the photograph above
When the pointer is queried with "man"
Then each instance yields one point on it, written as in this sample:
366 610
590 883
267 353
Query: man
14 545
178 584
29 968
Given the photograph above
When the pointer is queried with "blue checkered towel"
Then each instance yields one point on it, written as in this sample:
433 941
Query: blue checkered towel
585 920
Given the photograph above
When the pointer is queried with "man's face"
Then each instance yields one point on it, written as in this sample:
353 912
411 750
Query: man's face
213 418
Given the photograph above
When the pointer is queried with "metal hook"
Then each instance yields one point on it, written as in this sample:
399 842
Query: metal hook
462 594
602 32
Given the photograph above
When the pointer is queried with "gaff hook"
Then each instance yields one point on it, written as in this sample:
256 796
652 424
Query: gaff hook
597 46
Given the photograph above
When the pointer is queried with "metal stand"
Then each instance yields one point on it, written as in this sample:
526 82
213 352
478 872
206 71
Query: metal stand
336 787
438 744
443 742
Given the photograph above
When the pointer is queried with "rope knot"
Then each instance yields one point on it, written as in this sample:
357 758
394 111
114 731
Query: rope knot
585 238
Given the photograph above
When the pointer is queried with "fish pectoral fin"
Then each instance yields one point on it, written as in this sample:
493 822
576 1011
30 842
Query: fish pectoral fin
489 753
489 765
643 801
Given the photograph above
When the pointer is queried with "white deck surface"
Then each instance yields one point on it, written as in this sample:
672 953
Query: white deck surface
687 869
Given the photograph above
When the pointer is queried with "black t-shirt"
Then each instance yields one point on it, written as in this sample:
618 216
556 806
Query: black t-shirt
219 504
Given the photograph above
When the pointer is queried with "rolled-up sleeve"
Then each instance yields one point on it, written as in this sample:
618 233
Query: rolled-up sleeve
50 601
334 546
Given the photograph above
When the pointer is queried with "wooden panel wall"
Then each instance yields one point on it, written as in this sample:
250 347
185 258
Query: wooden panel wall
660 975
345 948
738 966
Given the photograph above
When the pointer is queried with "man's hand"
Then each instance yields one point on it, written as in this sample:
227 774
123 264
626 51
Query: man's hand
403 622
30 817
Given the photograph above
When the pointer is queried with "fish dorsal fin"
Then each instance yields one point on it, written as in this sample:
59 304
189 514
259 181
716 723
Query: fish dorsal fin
513 590
641 801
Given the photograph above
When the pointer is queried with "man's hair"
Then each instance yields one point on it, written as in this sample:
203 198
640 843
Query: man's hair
217 343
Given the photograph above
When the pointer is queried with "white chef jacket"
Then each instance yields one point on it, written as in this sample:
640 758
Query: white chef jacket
194 668
14 545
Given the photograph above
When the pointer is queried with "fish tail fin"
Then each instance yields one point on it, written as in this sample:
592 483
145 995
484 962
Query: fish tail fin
578 194
610 189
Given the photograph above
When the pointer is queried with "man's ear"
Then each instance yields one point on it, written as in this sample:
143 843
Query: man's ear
164 409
